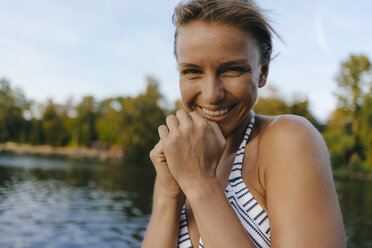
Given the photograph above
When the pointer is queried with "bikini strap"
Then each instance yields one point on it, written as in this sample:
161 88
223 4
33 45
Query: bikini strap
238 161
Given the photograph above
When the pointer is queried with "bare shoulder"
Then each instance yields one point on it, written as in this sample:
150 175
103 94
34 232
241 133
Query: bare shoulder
297 172
290 132
291 126
292 143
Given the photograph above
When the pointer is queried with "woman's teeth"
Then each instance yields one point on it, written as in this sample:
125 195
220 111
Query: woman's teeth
215 113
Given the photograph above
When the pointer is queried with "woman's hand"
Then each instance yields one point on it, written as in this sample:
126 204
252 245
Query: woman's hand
193 147
168 200
169 186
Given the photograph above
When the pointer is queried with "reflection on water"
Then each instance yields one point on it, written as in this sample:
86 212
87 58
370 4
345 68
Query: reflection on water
355 198
58 203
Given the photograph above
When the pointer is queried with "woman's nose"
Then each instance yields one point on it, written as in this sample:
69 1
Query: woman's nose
213 90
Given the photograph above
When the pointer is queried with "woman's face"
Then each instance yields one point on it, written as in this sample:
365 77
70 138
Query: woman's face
220 72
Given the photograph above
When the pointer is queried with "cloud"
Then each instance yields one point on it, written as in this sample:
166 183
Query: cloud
320 35
319 28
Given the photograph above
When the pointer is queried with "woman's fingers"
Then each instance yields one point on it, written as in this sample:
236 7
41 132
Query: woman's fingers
167 182
154 151
217 131
184 120
157 154
184 135
172 123
163 132
158 149
199 122
187 122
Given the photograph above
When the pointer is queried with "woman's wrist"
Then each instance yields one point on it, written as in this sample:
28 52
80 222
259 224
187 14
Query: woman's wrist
202 189
169 201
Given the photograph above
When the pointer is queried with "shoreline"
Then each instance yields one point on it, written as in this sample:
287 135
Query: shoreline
108 154
111 154
339 174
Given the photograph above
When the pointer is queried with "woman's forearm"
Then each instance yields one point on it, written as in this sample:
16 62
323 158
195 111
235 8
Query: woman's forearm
217 222
163 228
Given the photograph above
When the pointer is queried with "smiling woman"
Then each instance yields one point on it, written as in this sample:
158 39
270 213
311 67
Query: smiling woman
219 79
227 177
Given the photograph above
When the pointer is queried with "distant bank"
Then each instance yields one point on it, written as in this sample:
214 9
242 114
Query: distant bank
108 154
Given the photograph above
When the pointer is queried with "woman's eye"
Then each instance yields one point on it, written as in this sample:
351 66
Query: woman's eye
191 71
233 71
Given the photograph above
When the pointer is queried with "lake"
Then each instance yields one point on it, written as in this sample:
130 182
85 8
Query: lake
60 203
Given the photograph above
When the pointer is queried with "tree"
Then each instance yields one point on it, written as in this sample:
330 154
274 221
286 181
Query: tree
84 132
36 135
142 117
110 121
352 79
347 133
52 125
272 104
365 129
301 108
12 105
339 138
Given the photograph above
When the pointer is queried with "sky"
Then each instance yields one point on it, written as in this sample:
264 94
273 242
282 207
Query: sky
65 48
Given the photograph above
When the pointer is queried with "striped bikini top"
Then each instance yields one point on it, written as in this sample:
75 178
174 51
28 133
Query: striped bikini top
251 214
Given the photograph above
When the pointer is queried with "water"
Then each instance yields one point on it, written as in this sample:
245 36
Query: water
58 203
355 198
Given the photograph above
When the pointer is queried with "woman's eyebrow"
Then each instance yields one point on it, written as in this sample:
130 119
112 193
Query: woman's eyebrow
229 63
236 62
189 65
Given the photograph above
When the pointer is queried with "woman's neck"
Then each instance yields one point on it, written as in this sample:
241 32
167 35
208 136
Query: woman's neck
234 139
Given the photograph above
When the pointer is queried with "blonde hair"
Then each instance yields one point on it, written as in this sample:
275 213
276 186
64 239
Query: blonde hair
243 14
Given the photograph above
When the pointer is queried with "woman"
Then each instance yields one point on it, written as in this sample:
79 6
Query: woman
225 176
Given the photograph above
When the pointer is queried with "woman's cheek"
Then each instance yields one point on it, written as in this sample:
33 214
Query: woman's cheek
187 96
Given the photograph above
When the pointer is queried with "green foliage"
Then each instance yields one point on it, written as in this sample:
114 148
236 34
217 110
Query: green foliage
132 122
275 105
340 146
12 104
36 136
271 106
365 129
351 80
109 123
142 117
84 131
54 132
349 130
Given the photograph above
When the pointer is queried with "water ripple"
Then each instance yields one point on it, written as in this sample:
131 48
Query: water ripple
66 210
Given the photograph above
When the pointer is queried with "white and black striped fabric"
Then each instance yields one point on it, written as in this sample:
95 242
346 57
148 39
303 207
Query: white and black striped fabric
251 214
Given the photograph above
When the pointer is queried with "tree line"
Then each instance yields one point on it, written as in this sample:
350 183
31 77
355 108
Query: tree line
127 122
132 122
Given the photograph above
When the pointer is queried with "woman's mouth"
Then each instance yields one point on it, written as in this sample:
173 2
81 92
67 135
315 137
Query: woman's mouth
216 115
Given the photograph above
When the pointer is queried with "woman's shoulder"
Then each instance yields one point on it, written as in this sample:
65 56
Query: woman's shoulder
290 140
295 169
283 129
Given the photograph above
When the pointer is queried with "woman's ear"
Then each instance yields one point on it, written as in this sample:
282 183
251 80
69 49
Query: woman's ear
263 75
